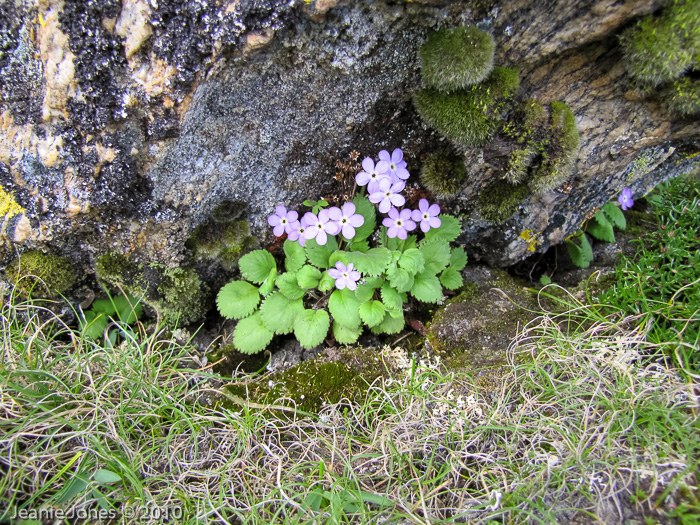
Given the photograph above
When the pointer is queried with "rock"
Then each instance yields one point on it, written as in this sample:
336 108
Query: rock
125 125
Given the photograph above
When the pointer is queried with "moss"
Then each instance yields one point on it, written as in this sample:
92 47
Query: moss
498 202
456 58
442 173
222 241
310 384
176 294
659 49
559 156
472 116
683 97
519 164
41 275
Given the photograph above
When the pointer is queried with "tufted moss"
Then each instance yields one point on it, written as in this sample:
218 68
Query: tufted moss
498 202
661 48
456 58
222 242
559 156
472 116
442 173
176 294
41 275
683 97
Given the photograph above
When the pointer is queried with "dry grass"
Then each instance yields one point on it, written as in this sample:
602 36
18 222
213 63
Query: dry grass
581 429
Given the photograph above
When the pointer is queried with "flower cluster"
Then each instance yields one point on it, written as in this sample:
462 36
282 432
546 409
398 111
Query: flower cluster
385 180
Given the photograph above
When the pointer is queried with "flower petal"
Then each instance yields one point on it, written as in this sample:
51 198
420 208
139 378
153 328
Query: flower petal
292 216
409 225
416 215
348 231
311 232
368 164
340 283
405 215
348 209
352 285
397 156
356 220
394 213
402 233
425 226
396 200
402 173
392 232
423 205
335 274
321 238
434 210
384 155
434 222
281 211
274 220
362 178
310 219
382 166
354 274
388 222
376 197
335 214
386 204
278 230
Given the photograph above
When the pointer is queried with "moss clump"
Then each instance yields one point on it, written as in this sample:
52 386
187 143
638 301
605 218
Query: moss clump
222 242
560 153
498 202
456 58
176 294
683 97
41 275
442 173
470 117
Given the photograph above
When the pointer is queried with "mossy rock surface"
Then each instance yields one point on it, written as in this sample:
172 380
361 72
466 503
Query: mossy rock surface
442 173
498 202
473 331
41 275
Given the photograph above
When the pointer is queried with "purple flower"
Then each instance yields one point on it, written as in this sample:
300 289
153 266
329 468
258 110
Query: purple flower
283 221
397 166
344 276
625 199
372 174
346 219
298 231
427 215
320 227
388 194
399 223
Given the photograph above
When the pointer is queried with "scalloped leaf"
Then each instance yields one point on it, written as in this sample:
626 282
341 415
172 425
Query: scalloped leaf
391 298
295 256
94 324
372 313
344 307
251 335
358 246
269 284
308 277
615 215
426 287
449 230
458 258
601 228
412 261
311 327
346 335
366 209
288 285
400 279
372 263
319 255
338 255
278 312
257 265
237 299
402 244
436 254
390 325
364 292
451 278
326 283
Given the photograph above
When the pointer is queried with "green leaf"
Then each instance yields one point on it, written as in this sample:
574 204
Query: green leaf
104 306
344 307
390 325
458 258
401 244
129 309
251 335
319 255
346 335
288 285
237 299
600 227
311 327
545 279
256 265
366 209
308 277
95 324
436 254
587 249
326 283
269 284
338 255
279 312
400 279
374 282
449 230
615 215
106 476
426 287
451 278
372 313
364 292
391 298
373 263
412 261
358 246
582 255
295 256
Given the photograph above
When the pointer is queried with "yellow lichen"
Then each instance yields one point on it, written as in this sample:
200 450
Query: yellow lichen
8 205
531 239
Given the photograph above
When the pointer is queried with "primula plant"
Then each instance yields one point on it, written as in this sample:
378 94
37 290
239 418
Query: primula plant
344 268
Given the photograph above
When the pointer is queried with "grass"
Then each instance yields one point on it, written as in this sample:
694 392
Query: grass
591 423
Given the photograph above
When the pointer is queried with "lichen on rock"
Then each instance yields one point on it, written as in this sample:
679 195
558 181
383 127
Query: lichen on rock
37 274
